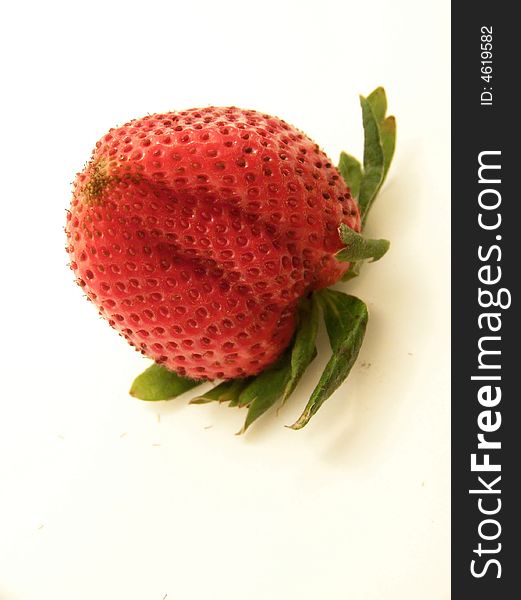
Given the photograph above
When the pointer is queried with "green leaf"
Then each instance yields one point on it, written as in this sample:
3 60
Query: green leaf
351 171
379 145
227 391
303 350
358 247
373 158
343 314
346 321
354 271
387 126
388 137
238 391
265 390
378 101
158 383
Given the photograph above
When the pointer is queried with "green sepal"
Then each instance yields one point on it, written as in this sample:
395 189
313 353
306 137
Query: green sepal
387 126
158 383
359 248
245 383
351 171
378 101
379 146
304 350
227 391
265 390
354 271
280 380
346 320
388 137
373 158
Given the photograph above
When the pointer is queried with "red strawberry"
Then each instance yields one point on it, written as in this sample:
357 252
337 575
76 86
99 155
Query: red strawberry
204 237
196 233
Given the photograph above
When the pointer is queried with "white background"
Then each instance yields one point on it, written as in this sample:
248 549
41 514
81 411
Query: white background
106 497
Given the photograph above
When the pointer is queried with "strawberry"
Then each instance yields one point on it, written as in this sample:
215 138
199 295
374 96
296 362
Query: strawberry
199 234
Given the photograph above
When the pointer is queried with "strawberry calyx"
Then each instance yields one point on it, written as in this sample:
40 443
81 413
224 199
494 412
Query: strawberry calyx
158 383
358 247
345 316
